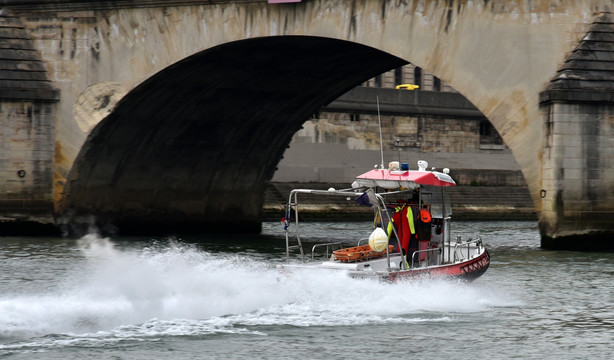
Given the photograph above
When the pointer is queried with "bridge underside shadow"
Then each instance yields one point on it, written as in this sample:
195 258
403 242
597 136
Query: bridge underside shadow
191 148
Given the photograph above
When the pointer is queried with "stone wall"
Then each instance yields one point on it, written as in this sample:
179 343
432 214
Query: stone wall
428 133
578 170
343 139
27 133
26 160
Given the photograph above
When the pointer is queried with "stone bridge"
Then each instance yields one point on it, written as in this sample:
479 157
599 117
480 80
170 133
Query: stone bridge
151 115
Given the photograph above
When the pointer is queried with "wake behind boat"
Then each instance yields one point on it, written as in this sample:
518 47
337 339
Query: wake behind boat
411 229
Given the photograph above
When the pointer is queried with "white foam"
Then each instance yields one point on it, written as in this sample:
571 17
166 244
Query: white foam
177 289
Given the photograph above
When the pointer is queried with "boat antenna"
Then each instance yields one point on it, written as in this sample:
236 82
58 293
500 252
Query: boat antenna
381 144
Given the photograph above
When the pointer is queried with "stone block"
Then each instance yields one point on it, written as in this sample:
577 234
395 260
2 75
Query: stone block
572 174
574 163
573 150
567 128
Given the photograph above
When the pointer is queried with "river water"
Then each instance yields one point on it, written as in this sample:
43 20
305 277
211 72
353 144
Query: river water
222 298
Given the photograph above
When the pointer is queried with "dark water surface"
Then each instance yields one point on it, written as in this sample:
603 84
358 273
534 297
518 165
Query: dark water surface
222 298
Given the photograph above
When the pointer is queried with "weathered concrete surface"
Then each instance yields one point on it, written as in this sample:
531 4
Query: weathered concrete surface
499 54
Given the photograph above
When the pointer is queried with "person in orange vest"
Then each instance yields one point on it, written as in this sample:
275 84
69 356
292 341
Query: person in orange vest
425 214
424 230
424 225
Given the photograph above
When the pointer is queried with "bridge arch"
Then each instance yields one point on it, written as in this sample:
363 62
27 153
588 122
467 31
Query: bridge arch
194 144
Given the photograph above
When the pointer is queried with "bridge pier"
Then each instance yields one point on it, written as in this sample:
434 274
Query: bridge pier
27 134
577 195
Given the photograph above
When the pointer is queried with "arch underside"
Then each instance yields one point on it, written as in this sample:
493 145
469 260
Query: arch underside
191 148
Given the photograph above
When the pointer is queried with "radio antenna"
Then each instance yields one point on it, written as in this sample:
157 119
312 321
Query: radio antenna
381 144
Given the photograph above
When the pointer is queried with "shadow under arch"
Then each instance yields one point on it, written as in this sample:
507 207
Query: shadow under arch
191 148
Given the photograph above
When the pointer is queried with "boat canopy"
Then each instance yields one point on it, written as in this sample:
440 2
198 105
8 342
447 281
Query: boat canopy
408 179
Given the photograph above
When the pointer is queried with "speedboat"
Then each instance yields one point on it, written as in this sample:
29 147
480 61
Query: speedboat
411 235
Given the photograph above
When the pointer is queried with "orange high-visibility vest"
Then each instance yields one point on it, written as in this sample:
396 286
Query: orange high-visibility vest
425 215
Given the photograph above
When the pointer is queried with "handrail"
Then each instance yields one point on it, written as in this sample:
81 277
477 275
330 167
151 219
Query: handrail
293 205
468 243
328 246
362 240
427 259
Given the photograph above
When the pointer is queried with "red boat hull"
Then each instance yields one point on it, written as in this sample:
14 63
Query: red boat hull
468 270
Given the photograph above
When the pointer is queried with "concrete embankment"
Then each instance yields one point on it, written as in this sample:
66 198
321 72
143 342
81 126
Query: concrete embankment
468 203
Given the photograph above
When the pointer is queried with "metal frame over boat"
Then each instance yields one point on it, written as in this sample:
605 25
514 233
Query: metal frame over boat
411 237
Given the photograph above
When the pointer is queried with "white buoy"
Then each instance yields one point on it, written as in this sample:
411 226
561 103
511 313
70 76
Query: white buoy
378 240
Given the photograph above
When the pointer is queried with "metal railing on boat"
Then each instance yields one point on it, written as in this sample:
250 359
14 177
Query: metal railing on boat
427 259
459 247
328 246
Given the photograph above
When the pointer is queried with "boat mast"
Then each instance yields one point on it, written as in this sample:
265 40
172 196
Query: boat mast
444 226
381 144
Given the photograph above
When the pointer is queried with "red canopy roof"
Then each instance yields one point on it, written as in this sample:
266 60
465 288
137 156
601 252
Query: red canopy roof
404 178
